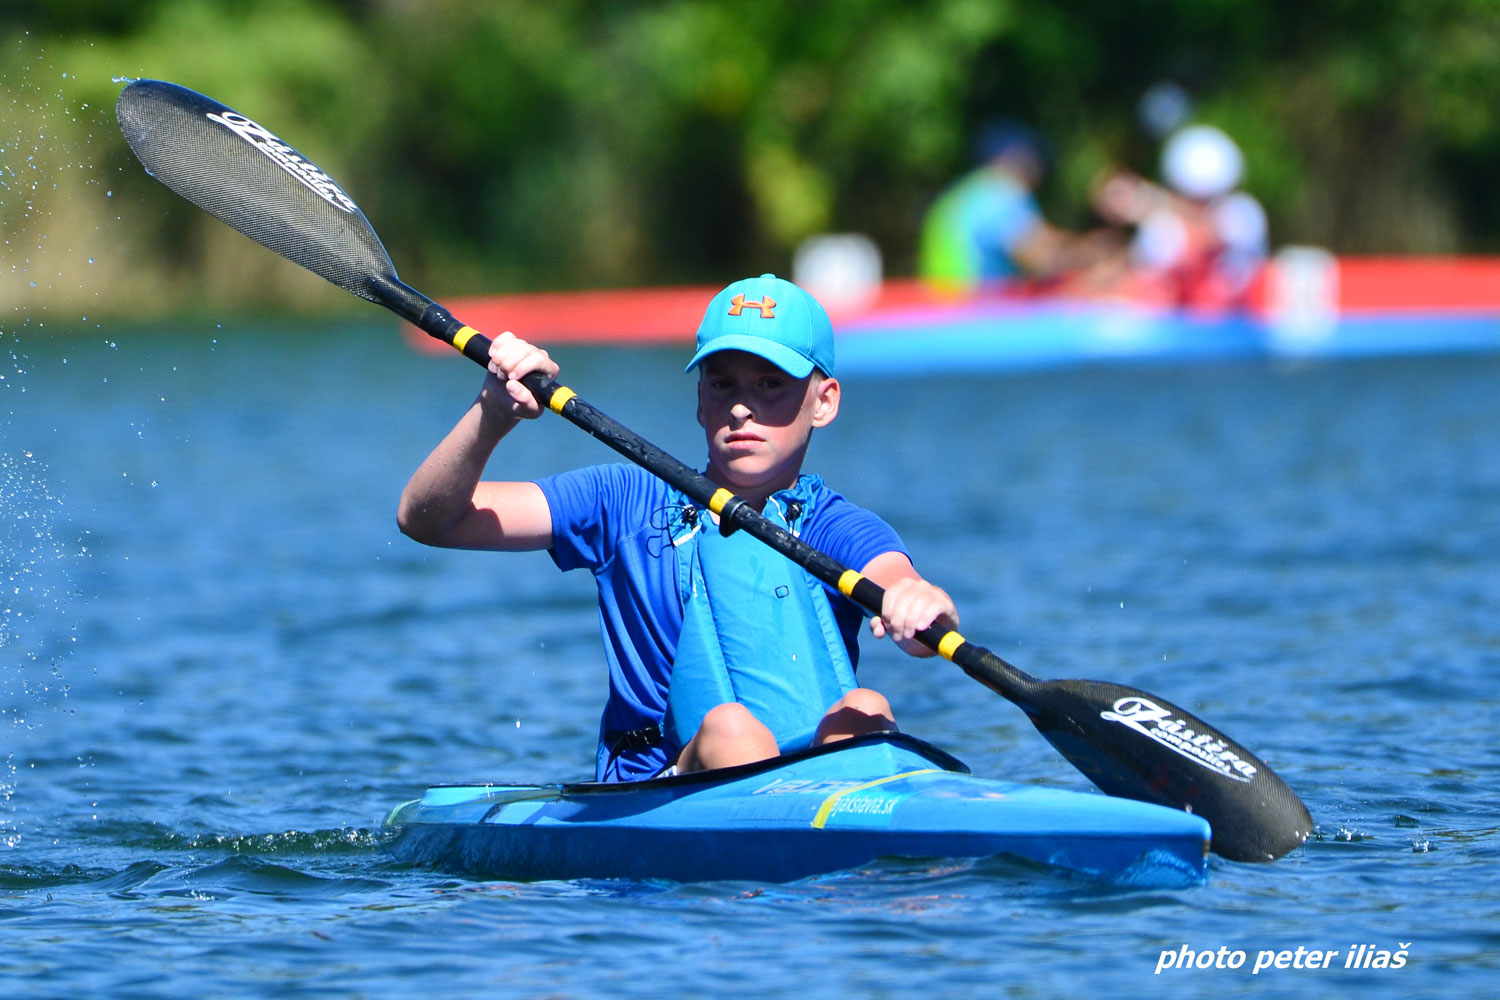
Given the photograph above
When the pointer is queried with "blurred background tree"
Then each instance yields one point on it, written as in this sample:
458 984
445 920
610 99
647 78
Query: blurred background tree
528 145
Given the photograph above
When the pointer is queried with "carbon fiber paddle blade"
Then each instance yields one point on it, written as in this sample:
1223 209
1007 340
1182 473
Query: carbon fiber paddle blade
1137 746
242 174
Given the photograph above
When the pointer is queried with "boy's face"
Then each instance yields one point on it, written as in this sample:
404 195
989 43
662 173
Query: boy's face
758 419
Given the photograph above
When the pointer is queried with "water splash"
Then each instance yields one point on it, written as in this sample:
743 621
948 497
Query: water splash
35 631
47 182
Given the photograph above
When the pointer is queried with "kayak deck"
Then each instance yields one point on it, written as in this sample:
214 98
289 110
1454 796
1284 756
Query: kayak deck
818 811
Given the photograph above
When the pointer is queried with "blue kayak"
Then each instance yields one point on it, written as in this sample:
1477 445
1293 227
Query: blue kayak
818 811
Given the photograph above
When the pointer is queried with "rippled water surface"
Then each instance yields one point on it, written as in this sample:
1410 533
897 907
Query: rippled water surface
223 665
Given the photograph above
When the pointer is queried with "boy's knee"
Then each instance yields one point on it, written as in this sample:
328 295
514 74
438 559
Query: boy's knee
729 734
730 720
865 701
859 712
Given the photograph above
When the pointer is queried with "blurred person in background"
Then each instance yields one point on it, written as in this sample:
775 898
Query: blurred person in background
987 229
1199 241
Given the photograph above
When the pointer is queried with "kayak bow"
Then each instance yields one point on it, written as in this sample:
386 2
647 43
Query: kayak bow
822 810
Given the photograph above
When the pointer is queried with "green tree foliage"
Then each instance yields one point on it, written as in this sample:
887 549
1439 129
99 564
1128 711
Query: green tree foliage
510 145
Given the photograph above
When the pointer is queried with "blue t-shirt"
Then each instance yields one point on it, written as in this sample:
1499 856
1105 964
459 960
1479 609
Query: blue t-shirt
614 521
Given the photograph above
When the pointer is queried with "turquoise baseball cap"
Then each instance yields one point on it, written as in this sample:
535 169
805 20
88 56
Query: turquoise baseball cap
772 318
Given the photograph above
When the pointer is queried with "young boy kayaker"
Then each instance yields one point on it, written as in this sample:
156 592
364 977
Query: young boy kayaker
721 651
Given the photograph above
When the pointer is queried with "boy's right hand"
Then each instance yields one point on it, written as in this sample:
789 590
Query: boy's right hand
512 359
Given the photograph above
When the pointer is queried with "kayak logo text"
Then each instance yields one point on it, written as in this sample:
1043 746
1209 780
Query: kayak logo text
1151 720
310 175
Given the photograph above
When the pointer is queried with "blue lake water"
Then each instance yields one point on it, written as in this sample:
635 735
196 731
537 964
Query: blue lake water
223 665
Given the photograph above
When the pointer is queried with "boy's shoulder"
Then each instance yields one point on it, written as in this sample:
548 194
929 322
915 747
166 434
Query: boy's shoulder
614 480
846 530
826 498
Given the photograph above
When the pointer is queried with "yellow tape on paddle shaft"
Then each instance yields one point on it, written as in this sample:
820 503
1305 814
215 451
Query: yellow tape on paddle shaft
947 645
717 502
463 336
826 809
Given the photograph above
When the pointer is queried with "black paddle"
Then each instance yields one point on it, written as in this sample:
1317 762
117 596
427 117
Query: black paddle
1126 741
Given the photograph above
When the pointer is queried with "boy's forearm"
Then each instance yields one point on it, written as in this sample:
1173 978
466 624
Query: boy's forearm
440 494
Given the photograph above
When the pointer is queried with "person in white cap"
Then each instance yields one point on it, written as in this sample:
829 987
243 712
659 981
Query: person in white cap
1200 240
720 650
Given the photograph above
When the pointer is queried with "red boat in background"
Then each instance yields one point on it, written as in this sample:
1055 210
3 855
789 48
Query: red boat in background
1306 304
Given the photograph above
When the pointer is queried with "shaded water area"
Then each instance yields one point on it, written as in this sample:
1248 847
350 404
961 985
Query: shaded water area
223 665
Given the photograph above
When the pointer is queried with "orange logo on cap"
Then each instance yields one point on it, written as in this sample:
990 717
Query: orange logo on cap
765 305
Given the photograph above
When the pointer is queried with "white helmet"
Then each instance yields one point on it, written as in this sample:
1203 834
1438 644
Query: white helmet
1201 162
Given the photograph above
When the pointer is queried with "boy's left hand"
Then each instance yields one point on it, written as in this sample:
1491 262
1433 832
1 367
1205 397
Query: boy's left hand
910 605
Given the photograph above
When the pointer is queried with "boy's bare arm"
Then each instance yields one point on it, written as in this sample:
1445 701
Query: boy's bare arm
446 504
